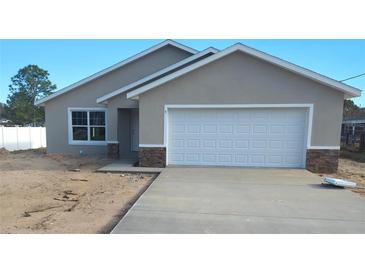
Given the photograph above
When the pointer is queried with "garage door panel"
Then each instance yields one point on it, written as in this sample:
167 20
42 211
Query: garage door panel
243 117
259 130
178 143
278 116
176 157
193 116
275 159
294 144
225 144
257 159
294 130
277 129
241 144
178 128
226 116
260 116
193 143
237 137
292 159
225 158
276 144
241 159
192 157
209 144
295 116
210 128
226 128
258 144
193 128
209 158
243 129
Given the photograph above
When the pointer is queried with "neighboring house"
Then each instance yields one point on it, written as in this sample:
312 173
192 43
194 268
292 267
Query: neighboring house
173 105
353 131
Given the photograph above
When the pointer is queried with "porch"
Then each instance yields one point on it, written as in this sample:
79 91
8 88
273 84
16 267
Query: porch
127 166
123 136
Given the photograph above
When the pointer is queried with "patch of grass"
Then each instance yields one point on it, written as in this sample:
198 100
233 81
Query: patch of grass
358 156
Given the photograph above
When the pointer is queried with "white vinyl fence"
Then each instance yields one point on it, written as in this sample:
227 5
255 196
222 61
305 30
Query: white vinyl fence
18 138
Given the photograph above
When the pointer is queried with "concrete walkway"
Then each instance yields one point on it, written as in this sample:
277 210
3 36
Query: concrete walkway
239 200
128 167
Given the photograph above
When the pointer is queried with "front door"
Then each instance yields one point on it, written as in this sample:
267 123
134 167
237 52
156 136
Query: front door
134 129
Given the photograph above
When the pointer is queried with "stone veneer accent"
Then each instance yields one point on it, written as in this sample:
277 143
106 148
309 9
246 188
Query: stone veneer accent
113 150
152 156
322 160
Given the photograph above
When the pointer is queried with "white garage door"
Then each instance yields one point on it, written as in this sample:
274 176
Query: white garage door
260 137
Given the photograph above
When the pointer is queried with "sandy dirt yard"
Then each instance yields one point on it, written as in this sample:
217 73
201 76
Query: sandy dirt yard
40 194
353 171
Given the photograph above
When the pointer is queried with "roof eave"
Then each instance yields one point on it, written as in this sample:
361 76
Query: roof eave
139 82
113 67
348 90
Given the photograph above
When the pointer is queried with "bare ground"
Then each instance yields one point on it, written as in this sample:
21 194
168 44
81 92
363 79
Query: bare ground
39 193
353 171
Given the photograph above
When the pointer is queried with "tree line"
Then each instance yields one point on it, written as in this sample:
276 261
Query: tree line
350 109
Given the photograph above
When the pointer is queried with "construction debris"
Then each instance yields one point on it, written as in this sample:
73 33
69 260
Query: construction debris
339 182
27 213
77 179
72 207
75 204
69 192
66 200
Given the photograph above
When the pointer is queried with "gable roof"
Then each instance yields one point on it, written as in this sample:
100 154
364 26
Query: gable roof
114 67
158 74
348 90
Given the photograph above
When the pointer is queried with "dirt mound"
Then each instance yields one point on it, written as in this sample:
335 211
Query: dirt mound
75 161
3 152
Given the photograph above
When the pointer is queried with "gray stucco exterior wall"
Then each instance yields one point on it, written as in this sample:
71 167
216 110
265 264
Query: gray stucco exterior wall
85 97
241 79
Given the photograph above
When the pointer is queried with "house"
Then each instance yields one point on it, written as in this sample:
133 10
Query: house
174 105
353 131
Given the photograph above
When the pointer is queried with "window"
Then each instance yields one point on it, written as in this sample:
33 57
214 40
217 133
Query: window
87 126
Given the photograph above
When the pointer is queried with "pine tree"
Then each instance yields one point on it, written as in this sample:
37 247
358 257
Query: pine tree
31 83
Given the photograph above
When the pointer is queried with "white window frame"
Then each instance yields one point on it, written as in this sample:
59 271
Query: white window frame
88 142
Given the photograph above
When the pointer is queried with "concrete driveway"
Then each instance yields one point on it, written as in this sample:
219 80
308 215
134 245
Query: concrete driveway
240 200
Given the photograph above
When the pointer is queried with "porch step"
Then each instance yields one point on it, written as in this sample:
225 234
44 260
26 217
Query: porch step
120 168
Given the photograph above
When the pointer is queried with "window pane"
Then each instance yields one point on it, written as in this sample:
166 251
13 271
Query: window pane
79 133
97 133
97 118
79 118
